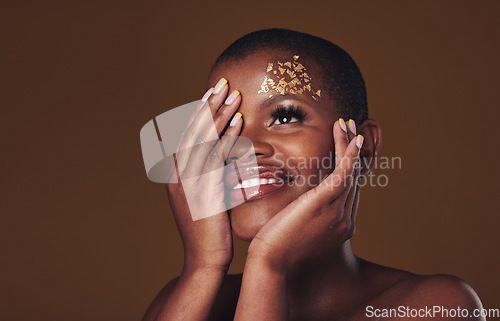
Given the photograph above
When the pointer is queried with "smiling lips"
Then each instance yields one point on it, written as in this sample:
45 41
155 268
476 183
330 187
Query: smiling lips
256 181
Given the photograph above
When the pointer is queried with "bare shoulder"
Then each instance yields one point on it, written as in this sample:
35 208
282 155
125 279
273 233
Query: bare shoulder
440 296
440 289
401 295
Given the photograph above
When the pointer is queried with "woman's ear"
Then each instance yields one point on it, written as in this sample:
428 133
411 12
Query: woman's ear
370 129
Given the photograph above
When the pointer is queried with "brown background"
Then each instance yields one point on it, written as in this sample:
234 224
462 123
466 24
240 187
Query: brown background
87 237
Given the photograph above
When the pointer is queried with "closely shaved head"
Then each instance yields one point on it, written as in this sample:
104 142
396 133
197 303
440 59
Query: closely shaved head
342 79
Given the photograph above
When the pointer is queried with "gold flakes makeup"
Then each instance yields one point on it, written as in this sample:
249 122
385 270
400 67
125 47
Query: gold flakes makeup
288 77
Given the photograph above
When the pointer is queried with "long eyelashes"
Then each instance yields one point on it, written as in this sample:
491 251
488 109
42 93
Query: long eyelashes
287 114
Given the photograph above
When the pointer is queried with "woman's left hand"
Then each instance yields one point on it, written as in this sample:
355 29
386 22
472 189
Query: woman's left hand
317 222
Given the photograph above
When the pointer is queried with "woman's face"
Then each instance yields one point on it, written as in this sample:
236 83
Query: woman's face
290 126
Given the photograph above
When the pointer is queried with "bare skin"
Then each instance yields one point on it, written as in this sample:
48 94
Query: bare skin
300 265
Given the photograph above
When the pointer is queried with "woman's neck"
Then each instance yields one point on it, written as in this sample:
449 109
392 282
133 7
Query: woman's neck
326 286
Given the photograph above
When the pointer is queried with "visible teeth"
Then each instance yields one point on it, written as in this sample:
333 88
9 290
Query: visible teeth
255 182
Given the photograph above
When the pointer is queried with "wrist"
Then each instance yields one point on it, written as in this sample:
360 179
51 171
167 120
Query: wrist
205 268
205 276
264 266
208 260
263 292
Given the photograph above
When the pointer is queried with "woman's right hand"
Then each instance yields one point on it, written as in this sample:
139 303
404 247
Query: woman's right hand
198 202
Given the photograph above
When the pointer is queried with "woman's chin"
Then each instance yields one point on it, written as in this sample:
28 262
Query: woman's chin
244 231
247 222
248 218
247 237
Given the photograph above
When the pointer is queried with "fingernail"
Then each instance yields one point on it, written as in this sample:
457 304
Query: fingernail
207 94
342 125
359 141
220 85
235 120
352 126
232 97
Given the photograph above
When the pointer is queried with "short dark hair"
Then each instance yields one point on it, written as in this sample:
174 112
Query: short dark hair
341 76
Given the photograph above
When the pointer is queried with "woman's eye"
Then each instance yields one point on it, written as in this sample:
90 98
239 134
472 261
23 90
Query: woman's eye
285 119
282 115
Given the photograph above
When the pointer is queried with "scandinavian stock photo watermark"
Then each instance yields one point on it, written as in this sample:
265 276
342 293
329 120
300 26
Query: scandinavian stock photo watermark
322 167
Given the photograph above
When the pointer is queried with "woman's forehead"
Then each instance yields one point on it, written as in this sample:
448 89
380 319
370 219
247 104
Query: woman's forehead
288 77
266 78
270 73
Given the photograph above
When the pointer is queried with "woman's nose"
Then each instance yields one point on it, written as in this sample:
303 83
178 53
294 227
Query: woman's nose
250 146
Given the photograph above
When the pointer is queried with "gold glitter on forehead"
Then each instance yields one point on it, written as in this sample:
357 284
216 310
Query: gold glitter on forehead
288 77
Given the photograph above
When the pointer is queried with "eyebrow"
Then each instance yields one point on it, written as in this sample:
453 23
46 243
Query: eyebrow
277 98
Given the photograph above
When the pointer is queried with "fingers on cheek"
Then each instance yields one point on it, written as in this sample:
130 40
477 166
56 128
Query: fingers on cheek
340 140
215 101
235 125
354 147
344 181
340 128
351 129
343 176
315 199
349 214
226 112
328 191
352 195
